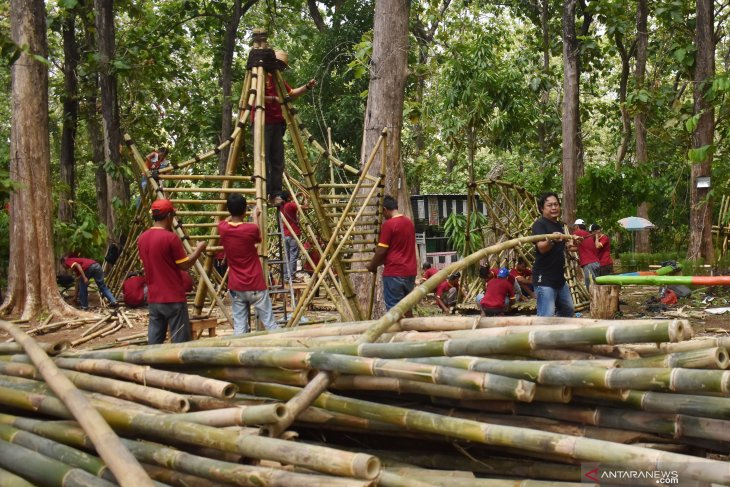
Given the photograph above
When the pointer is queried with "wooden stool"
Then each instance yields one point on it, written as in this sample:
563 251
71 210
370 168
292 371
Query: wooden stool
198 325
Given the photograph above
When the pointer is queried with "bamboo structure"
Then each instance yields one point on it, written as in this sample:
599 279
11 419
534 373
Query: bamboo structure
339 225
511 211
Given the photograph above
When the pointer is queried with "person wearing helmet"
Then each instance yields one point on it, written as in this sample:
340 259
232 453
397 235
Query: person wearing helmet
499 295
275 125
447 293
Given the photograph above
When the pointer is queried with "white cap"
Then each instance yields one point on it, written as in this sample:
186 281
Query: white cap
579 221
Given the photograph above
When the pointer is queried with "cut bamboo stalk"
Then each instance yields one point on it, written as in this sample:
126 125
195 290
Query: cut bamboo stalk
167 476
51 348
120 461
157 398
9 479
325 460
211 190
96 325
192 384
236 416
204 177
708 358
45 471
57 451
525 439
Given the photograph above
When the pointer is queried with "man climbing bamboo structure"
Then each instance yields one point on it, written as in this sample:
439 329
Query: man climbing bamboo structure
275 126
397 250
245 276
163 257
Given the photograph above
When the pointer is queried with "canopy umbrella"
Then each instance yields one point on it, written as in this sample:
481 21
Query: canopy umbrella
636 223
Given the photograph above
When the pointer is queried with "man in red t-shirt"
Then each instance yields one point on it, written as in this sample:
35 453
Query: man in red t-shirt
587 252
290 211
397 250
447 293
499 291
428 271
523 275
85 270
134 289
245 276
603 245
163 257
275 125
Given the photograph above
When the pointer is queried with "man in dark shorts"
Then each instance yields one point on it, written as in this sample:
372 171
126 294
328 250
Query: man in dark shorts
245 276
163 257
397 250
548 273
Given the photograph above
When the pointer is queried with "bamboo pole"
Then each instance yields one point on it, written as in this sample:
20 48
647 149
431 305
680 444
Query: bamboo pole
120 461
46 471
325 460
708 358
236 416
192 384
9 479
572 447
215 470
178 228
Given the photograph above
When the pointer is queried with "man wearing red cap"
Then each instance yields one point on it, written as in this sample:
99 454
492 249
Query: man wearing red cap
163 257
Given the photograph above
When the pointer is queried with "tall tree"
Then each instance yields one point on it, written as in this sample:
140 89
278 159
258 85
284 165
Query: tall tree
640 117
226 79
700 215
106 43
31 274
70 116
386 92
571 111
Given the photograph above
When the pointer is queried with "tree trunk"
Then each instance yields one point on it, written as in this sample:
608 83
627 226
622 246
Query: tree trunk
388 71
31 275
70 119
542 128
700 216
229 44
105 39
643 243
571 135
622 87
604 301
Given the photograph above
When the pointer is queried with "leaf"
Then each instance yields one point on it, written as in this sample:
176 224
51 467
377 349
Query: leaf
699 154
691 124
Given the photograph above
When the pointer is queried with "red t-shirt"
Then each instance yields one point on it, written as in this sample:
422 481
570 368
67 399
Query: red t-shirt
587 251
244 268
398 235
429 272
273 114
187 280
514 274
289 211
313 254
161 251
133 289
84 263
497 290
604 253
442 288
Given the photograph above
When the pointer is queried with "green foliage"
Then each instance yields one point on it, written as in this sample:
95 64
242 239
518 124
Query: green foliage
455 228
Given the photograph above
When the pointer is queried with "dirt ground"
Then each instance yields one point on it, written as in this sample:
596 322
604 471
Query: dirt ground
633 305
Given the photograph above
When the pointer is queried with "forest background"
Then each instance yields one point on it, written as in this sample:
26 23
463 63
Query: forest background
487 85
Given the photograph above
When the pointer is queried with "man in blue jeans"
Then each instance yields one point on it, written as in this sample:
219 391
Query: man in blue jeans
87 269
397 250
245 276
548 273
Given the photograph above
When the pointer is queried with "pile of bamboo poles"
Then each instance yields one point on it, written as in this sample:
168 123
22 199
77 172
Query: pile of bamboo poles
427 401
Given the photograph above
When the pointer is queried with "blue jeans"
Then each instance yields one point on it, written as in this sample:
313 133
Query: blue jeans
262 304
396 288
94 272
550 300
590 272
292 257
